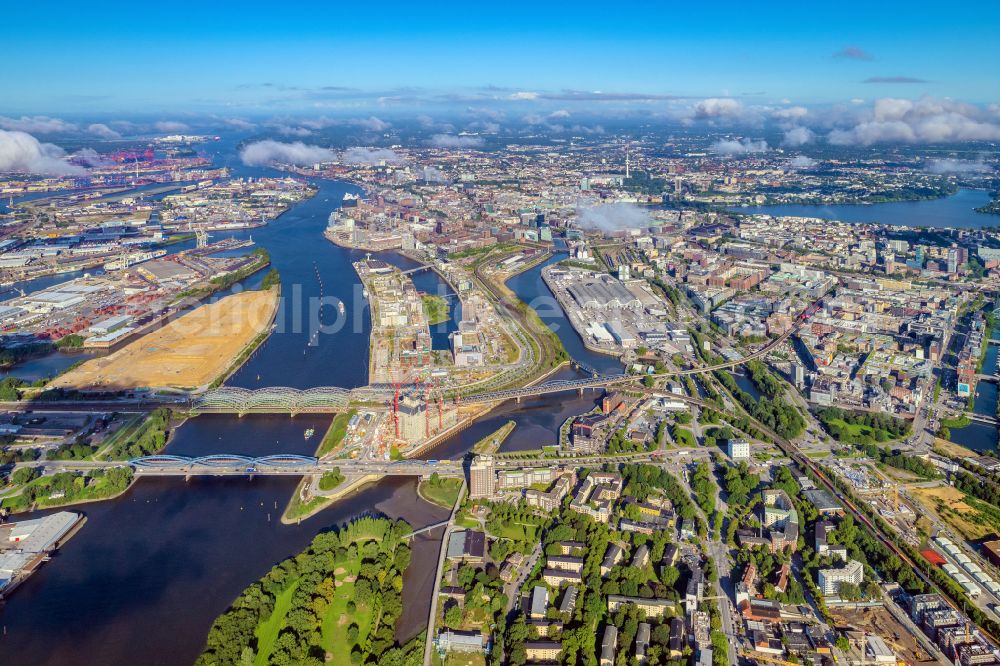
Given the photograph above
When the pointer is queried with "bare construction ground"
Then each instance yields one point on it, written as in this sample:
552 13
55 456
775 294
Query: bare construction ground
881 622
189 352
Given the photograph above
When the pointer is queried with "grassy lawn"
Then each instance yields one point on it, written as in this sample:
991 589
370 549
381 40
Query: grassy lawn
131 427
335 621
443 492
267 633
459 659
518 532
492 442
436 308
297 508
684 438
855 431
335 435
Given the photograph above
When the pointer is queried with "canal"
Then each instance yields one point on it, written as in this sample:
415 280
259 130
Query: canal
982 436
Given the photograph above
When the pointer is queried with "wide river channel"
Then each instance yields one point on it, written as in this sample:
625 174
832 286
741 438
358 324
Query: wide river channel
147 574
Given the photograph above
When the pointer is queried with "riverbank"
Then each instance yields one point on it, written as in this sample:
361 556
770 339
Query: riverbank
299 508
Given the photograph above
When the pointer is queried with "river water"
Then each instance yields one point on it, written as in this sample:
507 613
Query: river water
982 436
956 211
145 577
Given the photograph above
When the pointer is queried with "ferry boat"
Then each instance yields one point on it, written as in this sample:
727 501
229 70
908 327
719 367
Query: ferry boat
309 433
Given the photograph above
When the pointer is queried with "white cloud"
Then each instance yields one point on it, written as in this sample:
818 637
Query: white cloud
560 113
798 136
612 217
288 130
455 141
36 124
362 155
958 167
524 95
717 107
171 126
740 147
265 152
371 123
802 162
22 153
791 113
240 123
857 101
103 131
927 120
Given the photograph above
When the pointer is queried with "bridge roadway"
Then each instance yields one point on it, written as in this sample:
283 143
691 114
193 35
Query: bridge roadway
296 465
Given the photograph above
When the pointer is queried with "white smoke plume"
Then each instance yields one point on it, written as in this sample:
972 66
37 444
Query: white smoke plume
798 136
362 155
741 147
951 166
22 153
612 217
455 141
90 157
434 175
261 153
802 162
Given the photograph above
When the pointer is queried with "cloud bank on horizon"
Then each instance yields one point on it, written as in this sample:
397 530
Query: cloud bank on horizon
22 153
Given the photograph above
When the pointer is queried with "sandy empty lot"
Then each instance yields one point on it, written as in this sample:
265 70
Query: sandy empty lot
189 352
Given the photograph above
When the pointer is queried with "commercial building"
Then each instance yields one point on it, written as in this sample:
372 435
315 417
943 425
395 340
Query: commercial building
830 580
738 449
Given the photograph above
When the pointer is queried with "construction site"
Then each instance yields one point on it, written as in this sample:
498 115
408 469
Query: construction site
859 623
400 338
190 352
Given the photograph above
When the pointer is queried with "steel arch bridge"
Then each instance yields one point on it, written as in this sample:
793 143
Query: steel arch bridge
224 460
272 400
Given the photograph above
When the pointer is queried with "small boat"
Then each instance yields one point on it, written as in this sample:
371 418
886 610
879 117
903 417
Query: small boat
309 433
340 307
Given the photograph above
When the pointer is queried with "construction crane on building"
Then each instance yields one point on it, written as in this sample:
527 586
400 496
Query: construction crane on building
893 487
201 237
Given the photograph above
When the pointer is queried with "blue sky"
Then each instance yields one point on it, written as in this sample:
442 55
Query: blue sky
260 56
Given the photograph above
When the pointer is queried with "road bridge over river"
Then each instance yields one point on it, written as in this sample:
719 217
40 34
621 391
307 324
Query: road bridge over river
284 464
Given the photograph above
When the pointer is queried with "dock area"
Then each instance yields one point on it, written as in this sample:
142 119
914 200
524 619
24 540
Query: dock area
26 544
